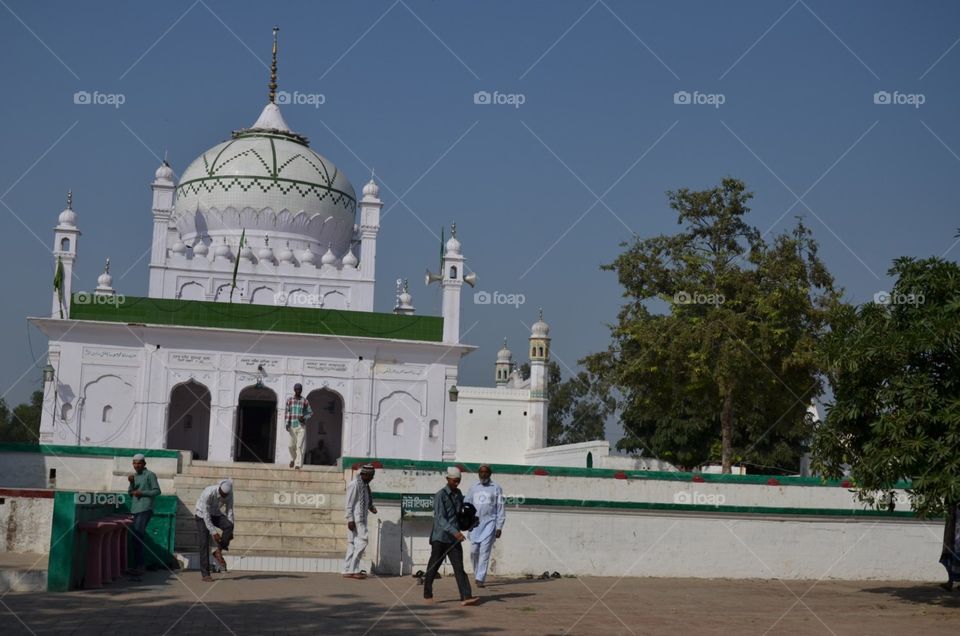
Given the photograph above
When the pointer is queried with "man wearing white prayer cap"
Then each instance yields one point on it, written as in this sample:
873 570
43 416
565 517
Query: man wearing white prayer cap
446 539
143 489
487 497
215 525
359 503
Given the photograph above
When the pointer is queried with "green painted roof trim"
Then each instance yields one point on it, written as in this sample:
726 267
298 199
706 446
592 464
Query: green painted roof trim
601 473
642 505
98 451
243 315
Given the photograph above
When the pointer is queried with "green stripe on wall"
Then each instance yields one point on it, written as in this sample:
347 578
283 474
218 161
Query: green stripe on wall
637 505
244 315
97 451
601 473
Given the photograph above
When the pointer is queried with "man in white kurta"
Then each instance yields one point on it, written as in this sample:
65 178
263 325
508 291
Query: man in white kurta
359 503
487 498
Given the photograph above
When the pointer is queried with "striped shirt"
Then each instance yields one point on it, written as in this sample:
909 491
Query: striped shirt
297 407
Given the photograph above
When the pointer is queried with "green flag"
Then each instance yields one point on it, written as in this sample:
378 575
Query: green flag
58 283
236 263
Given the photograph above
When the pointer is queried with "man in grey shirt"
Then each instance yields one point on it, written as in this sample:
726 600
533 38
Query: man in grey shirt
446 539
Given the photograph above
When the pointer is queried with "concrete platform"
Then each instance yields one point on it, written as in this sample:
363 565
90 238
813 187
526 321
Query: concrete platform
272 603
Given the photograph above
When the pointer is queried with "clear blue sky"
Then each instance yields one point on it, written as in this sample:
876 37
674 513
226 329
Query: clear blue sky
598 119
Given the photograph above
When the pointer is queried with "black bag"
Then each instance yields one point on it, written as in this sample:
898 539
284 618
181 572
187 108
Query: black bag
466 514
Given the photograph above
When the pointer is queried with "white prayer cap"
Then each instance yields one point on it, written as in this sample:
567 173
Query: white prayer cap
226 486
139 458
453 472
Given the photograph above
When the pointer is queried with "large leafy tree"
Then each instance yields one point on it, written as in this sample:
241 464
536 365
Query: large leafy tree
894 367
726 369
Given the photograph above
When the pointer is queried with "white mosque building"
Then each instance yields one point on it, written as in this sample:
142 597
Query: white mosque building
261 275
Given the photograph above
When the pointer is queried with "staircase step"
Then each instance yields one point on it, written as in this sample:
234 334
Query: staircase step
287 481
267 561
247 512
220 470
279 497
243 542
277 528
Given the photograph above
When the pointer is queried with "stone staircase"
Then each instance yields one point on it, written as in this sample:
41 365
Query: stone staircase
286 520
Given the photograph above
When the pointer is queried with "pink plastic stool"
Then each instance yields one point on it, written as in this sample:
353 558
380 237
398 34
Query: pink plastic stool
118 544
99 552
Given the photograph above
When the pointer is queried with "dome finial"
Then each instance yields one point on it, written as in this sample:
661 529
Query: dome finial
106 266
453 230
541 313
69 199
273 68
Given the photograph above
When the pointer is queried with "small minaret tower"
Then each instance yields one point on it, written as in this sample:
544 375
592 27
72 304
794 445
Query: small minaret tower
163 187
451 282
539 354
65 236
504 365
370 206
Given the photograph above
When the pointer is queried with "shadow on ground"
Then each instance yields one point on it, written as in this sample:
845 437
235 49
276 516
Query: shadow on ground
925 594
137 608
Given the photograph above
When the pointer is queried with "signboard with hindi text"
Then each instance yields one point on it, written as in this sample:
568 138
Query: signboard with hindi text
416 506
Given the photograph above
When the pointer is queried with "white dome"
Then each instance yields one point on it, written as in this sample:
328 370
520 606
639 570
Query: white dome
307 256
540 329
371 189
179 247
350 260
286 254
328 258
453 246
504 355
68 218
265 253
164 172
246 252
266 179
200 249
222 250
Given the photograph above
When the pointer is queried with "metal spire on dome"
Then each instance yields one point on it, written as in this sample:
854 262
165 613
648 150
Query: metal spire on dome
273 68
69 199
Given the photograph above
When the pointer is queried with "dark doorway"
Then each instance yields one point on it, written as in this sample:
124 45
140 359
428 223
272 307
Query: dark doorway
256 425
325 429
188 422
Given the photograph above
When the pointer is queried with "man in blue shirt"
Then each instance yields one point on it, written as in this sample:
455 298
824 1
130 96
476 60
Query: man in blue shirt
446 539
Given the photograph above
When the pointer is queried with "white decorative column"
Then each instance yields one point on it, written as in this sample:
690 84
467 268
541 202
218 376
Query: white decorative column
539 354
163 187
370 206
65 236
451 282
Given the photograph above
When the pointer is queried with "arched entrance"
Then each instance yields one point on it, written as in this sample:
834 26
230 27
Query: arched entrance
256 425
324 441
188 418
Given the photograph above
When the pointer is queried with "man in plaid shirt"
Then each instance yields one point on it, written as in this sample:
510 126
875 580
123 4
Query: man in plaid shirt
298 412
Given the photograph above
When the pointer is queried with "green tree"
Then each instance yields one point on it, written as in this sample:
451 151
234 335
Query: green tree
23 424
727 371
893 367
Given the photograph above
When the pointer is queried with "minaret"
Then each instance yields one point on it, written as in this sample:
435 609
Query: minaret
539 354
105 282
451 282
65 236
404 304
370 206
504 365
163 187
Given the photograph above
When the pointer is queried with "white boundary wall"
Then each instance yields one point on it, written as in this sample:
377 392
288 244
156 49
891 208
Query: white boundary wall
667 543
